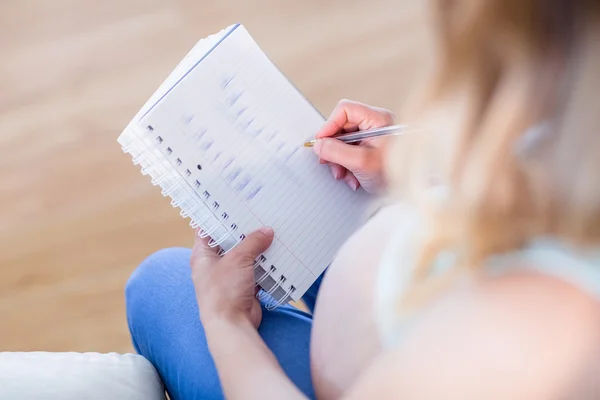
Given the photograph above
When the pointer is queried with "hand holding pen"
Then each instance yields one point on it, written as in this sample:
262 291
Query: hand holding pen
358 165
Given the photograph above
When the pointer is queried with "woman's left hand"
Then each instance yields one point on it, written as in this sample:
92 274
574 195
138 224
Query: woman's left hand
225 287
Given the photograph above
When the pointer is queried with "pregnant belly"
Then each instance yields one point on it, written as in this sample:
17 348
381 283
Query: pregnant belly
344 336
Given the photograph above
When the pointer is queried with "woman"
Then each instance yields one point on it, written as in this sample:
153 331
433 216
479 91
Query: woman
484 286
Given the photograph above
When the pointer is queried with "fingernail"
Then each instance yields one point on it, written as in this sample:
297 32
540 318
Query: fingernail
265 230
317 146
353 185
335 172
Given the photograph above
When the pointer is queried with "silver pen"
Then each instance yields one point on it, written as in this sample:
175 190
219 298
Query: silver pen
362 135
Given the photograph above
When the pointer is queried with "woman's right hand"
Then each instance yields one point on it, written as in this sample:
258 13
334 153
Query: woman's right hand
358 165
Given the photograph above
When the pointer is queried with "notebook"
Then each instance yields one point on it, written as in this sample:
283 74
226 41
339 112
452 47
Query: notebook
222 137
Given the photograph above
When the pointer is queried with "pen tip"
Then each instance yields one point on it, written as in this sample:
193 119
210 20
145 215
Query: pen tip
309 144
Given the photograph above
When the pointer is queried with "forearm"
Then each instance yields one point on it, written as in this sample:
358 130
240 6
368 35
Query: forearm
247 368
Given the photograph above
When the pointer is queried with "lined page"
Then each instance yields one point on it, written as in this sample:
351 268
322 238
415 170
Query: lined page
236 125
195 55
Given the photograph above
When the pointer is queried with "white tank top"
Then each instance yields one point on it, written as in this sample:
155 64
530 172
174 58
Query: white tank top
545 256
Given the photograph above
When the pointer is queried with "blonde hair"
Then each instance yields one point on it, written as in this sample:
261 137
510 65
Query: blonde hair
505 67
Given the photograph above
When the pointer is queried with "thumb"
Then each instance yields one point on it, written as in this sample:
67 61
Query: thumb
253 245
354 158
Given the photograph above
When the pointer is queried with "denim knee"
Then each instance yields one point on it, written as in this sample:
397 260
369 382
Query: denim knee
152 274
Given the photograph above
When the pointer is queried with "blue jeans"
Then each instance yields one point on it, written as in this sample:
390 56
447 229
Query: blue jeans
164 322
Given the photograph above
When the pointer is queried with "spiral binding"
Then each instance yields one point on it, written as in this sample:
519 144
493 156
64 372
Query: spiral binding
156 159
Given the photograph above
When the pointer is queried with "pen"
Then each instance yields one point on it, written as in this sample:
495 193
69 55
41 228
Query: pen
358 136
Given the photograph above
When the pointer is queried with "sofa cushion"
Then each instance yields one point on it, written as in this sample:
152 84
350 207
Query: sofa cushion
43 375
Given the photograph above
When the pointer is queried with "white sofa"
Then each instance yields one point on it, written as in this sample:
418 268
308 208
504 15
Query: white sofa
90 376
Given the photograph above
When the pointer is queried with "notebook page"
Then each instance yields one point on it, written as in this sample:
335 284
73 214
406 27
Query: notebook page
234 127
199 51
195 55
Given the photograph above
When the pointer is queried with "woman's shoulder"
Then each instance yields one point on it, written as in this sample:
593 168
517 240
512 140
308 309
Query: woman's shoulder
521 335
542 258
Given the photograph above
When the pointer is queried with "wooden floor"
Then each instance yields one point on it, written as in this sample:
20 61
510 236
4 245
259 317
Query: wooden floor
76 216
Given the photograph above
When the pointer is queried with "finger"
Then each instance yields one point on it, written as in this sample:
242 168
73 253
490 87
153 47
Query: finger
351 115
329 128
353 158
202 242
337 171
352 181
252 246
202 254
321 161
